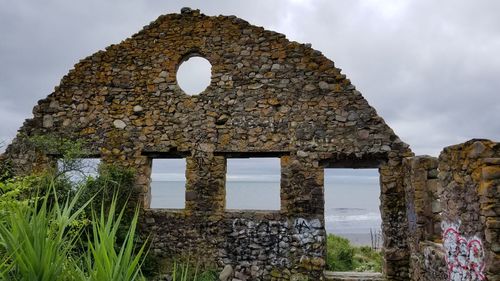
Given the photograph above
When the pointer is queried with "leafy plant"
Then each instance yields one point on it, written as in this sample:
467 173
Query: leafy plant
368 259
339 254
45 233
103 261
23 190
112 181
69 150
342 256
35 241
181 272
39 238
5 170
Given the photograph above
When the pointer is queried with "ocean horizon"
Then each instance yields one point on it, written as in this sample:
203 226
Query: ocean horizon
351 196
351 210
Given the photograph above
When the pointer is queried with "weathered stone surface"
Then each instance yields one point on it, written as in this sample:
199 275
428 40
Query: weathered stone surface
119 124
452 216
226 273
48 121
268 97
323 85
476 149
491 172
301 153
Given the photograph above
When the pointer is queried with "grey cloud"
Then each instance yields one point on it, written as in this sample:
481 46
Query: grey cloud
428 68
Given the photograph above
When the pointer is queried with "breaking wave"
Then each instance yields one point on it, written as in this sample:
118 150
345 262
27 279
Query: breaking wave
351 215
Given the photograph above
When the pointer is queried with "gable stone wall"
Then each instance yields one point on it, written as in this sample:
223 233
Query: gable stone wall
268 96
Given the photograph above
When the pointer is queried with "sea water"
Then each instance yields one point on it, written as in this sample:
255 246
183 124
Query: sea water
351 204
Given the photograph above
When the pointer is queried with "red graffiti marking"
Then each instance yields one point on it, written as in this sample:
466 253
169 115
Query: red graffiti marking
464 258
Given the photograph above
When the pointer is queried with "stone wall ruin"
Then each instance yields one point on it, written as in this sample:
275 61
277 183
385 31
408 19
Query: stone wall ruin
268 97
453 213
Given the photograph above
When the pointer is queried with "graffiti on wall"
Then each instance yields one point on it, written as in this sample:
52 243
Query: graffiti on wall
266 239
272 240
464 257
307 233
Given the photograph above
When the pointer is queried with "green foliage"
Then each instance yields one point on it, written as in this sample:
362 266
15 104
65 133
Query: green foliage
208 275
15 191
40 237
110 182
5 170
187 272
69 153
342 256
45 233
53 181
151 265
22 190
112 187
103 261
181 272
110 179
34 239
367 259
181 269
70 150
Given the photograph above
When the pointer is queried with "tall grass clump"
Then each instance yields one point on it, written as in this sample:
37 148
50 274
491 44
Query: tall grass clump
103 260
185 271
53 228
44 239
34 239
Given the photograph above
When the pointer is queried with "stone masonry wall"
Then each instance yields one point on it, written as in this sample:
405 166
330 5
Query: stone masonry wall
260 246
468 193
423 190
267 96
470 175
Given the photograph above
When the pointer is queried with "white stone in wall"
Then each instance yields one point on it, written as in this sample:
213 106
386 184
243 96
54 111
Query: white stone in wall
119 124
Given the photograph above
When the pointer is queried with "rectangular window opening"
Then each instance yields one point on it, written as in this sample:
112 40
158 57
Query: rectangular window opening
352 201
80 169
253 184
168 184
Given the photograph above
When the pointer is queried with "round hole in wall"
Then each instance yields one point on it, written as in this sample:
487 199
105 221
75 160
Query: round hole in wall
194 75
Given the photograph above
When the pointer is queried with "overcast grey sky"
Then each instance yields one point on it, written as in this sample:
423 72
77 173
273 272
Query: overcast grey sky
430 68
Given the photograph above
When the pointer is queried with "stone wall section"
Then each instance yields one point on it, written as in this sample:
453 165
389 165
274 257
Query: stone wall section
464 202
267 96
393 212
489 198
423 190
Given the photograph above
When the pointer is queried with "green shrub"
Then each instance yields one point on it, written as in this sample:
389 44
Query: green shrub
45 230
35 242
367 259
39 238
342 256
5 170
111 181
